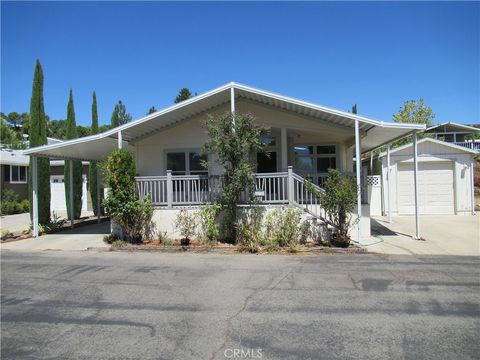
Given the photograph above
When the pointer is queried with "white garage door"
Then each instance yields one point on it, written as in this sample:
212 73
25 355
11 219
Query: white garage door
57 191
435 188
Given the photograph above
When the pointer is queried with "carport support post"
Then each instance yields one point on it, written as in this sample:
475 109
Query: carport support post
358 168
472 183
34 196
388 185
415 185
72 217
169 189
120 140
98 195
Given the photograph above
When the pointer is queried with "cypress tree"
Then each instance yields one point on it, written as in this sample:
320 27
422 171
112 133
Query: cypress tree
92 176
38 137
354 109
77 166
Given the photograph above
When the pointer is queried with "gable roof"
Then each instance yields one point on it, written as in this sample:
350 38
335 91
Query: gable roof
435 141
98 146
452 127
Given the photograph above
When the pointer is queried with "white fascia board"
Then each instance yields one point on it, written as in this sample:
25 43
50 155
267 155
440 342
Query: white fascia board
329 110
443 143
465 127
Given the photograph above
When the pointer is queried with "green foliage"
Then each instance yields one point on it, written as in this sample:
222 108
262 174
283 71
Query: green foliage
354 109
284 227
120 115
7 134
11 205
183 94
233 138
71 133
250 235
413 111
207 215
186 223
5 234
38 137
151 110
133 215
55 225
119 244
339 200
93 168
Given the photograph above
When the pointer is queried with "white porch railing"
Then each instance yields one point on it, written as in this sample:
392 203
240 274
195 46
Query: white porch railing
271 188
469 145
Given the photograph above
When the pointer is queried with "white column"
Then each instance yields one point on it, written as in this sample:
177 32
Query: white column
72 217
472 187
358 166
284 148
120 140
35 196
232 105
415 185
389 204
291 186
169 189
98 195
371 163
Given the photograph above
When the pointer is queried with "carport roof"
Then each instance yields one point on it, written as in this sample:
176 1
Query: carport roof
440 142
97 147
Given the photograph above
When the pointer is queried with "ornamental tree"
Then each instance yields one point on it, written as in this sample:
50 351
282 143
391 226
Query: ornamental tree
92 171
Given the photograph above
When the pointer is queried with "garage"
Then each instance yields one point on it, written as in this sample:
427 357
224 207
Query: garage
435 188
445 179
57 191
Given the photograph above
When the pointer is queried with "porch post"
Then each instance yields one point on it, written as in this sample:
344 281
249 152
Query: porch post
72 217
169 189
98 195
472 184
291 188
120 140
284 148
371 162
35 196
415 185
358 168
388 185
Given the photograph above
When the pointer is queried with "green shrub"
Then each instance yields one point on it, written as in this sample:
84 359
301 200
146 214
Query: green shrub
11 205
207 218
284 227
119 243
250 235
5 233
186 223
55 224
133 215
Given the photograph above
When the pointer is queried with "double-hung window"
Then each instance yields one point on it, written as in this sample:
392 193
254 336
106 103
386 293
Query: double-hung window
186 162
16 174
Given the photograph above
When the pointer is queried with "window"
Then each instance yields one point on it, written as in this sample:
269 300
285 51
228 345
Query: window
311 159
186 163
18 174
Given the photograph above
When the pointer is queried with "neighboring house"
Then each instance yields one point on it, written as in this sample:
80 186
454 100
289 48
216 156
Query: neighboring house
458 134
304 140
14 176
445 179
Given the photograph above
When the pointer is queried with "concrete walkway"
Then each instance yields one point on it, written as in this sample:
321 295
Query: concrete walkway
80 238
443 235
19 222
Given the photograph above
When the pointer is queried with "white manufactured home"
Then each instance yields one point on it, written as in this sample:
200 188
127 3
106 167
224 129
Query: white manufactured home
304 141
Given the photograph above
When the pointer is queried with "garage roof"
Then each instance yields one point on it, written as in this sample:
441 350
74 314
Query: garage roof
440 142
99 146
452 127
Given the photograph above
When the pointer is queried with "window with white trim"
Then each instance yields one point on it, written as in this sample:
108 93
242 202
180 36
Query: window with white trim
16 174
315 158
186 162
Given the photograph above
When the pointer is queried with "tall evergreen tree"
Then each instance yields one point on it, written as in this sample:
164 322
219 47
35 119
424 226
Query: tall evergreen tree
77 166
93 175
38 137
183 94
354 109
120 115
151 110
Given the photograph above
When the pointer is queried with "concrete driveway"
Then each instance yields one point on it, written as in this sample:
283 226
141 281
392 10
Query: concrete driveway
443 235
80 238
14 223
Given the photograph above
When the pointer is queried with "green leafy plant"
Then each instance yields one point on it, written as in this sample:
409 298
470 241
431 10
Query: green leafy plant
55 224
250 235
132 214
207 219
284 227
11 205
119 244
339 200
5 234
233 138
186 223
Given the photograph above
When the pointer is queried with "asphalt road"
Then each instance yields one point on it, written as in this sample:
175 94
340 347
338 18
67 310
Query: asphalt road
60 305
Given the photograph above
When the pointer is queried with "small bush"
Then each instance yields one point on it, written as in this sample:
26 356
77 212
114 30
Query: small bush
284 227
109 239
11 205
119 244
5 233
186 223
54 225
207 218
249 229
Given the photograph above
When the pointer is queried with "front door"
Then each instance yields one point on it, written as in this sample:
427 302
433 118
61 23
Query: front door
267 162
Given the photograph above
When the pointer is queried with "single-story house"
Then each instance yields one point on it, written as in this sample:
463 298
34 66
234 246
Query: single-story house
445 181
14 175
304 140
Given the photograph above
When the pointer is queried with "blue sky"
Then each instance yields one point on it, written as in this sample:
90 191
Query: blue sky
375 54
